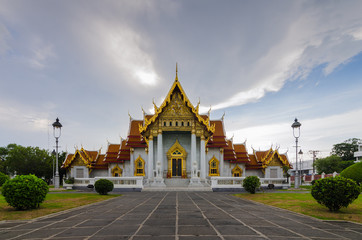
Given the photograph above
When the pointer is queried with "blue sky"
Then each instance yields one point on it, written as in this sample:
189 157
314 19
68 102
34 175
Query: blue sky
262 63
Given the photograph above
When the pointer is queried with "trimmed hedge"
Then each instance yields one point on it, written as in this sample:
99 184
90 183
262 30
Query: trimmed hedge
103 186
3 178
353 172
335 193
251 183
25 192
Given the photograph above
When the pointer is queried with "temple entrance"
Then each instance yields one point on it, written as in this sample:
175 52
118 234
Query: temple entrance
176 167
176 161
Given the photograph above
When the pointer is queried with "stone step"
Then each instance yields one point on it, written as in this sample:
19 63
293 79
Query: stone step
177 182
177 189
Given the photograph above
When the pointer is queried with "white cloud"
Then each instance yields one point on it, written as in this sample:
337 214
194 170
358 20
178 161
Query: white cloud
316 134
22 118
41 54
4 38
312 38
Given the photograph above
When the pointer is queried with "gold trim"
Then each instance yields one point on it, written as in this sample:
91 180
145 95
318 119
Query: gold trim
143 166
170 155
214 159
237 169
205 122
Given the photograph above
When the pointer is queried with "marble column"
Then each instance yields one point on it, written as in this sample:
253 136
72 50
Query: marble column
131 163
221 164
202 159
159 161
193 147
150 158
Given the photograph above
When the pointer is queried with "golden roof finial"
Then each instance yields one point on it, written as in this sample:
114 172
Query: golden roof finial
176 78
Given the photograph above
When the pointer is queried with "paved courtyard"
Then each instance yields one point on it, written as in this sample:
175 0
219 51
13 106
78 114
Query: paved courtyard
178 215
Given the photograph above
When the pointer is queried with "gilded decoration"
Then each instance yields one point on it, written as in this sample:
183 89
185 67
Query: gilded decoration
78 162
274 160
237 171
79 159
176 106
214 167
117 171
139 167
174 154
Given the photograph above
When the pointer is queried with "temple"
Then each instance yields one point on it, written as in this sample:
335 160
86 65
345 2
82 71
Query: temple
176 143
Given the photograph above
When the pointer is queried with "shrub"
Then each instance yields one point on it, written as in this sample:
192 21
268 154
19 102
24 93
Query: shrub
69 180
3 178
335 193
103 186
312 182
353 172
251 183
25 192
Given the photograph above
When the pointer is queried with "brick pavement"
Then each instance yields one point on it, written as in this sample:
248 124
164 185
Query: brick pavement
178 215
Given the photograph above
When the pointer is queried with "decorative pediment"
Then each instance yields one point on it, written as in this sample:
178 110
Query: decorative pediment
176 104
79 158
176 150
275 159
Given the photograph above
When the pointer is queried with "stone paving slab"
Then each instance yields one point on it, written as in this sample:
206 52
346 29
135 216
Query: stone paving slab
179 216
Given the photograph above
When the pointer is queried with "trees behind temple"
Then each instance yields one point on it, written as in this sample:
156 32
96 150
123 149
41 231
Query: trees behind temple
28 160
342 156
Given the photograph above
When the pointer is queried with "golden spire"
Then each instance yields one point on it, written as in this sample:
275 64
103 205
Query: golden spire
176 78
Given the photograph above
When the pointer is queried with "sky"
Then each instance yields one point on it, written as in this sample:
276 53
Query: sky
261 63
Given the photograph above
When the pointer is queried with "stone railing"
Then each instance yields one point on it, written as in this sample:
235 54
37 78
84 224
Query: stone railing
309 178
237 182
119 182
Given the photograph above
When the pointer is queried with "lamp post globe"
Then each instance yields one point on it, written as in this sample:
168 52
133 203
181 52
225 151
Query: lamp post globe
57 130
296 133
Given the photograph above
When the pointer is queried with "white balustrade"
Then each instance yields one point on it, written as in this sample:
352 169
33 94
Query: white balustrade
119 182
237 182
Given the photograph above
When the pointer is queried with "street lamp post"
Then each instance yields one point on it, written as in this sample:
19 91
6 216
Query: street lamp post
300 165
57 130
296 133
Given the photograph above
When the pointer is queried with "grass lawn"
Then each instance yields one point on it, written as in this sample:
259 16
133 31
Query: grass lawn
304 203
53 203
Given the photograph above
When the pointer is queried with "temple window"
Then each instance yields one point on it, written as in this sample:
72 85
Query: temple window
170 124
182 123
188 124
79 173
237 171
176 123
164 124
139 167
117 171
214 167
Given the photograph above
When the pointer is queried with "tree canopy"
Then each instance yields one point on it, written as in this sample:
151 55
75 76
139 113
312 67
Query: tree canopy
342 156
346 149
28 160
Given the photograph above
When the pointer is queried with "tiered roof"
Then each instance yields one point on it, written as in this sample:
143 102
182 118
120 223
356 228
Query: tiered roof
262 159
92 159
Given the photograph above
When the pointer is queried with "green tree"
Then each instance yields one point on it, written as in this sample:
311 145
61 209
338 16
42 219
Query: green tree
29 160
328 165
346 149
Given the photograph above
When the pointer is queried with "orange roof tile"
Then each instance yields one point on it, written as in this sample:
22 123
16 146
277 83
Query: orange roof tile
112 153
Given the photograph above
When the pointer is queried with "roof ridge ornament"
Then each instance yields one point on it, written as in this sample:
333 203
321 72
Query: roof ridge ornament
176 78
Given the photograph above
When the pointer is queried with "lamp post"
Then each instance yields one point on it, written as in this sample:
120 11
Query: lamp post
296 133
57 130
300 165
53 153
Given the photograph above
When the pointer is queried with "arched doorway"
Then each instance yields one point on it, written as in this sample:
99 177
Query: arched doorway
176 161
